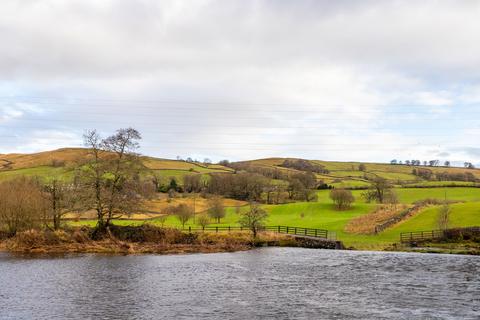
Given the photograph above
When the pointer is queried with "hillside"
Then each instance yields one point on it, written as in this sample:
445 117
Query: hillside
319 213
349 175
61 162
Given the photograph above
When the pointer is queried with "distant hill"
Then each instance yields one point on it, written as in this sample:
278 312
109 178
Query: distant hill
62 162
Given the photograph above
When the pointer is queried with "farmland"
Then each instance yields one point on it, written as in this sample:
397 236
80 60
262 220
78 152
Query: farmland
319 213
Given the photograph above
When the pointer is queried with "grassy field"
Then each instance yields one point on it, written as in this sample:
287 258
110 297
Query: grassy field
321 214
42 171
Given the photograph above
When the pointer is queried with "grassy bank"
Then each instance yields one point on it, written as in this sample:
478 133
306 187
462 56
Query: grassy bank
137 240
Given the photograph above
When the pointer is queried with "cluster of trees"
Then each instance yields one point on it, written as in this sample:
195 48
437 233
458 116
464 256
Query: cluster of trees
241 186
429 163
267 172
304 165
253 218
381 191
109 182
428 174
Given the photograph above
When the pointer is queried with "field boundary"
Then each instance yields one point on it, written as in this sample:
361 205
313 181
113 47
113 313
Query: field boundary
294 231
420 236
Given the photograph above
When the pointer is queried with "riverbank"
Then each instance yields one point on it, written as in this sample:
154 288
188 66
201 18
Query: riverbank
140 240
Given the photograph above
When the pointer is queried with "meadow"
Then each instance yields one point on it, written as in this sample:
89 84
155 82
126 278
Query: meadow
323 215
318 214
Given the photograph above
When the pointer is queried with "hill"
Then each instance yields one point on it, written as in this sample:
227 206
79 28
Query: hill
353 175
357 175
319 213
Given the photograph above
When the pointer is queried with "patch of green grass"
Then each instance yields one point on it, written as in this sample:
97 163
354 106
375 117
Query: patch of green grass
347 173
42 172
394 175
441 184
410 195
323 215
465 215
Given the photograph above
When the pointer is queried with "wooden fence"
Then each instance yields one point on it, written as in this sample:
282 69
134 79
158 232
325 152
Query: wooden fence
419 236
409 237
295 231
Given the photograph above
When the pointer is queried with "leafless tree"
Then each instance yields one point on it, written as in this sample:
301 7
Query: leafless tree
110 181
62 199
162 219
342 198
216 209
443 217
192 183
378 191
183 212
203 220
22 205
253 219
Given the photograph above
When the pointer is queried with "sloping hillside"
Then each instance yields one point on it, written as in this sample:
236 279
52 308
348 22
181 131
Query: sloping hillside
61 163
356 174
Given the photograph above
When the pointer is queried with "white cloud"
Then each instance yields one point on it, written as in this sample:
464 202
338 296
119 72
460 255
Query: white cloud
369 80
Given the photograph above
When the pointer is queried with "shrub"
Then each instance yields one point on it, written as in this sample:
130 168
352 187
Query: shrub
342 198
22 205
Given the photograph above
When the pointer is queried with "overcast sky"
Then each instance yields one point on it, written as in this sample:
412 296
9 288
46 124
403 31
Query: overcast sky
333 80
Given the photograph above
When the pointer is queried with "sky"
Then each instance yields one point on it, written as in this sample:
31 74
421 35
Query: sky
333 80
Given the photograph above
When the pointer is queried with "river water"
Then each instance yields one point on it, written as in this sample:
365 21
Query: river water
272 283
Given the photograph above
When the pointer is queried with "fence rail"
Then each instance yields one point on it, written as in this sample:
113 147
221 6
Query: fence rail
408 237
411 237
296 231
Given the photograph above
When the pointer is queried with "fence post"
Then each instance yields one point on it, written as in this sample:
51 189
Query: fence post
305 231
287 229
190 229
216 229
295 230
316 233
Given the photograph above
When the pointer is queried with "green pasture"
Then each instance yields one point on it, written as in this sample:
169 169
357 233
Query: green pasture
323 215
42 172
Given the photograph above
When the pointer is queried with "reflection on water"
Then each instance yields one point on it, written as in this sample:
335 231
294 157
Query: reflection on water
274 283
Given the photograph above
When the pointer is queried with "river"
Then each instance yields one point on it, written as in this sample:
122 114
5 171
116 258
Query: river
271 283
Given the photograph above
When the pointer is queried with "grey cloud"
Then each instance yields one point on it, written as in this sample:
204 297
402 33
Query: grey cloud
334 66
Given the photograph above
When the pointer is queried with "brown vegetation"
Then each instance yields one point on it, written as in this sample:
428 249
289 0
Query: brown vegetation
366 224
22 205
343 199
134 240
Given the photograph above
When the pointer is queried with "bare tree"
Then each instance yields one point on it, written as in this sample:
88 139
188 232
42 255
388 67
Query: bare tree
192 183
62 199
216 209
253 219
342 198
379 188
183 212
110 180
443 217
22 205
203 220
391 197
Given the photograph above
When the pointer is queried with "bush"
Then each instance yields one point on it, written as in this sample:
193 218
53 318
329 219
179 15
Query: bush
22 205
342 198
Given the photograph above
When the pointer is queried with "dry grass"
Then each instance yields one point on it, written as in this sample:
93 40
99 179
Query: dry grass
365 224
160 206
21 161
134 240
